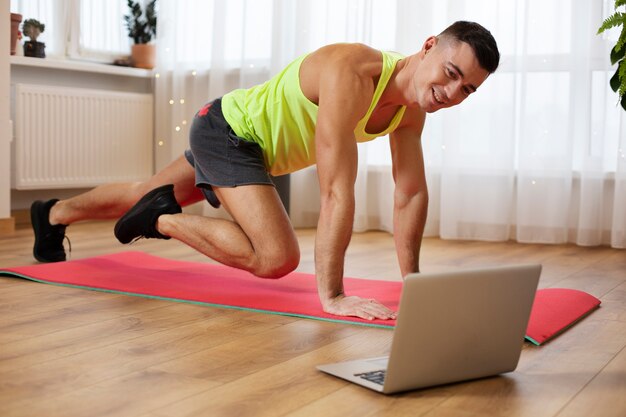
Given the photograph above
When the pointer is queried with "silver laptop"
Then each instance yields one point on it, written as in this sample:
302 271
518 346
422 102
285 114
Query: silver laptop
451 327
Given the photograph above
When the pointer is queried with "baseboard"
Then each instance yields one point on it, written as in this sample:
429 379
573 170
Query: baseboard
7 226
22 218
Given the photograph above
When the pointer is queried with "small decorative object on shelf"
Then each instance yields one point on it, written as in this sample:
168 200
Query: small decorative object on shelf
33 28
16 19
142 29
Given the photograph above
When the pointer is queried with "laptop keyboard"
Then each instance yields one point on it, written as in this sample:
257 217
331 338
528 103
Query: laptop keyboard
377 377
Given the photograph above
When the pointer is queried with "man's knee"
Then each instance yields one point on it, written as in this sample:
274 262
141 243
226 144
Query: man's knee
279 264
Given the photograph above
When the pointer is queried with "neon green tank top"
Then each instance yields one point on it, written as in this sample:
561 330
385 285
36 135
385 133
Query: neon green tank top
278 116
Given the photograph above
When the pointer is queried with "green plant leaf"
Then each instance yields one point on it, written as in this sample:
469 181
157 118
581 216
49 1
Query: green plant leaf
614 82
619 3
616 19
617 55
619 45
622 77
141 28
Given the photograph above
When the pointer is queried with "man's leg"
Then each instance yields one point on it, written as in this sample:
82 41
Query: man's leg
50 218
261 239
110 201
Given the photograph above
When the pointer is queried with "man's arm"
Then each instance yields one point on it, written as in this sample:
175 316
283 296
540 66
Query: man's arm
344 97
410 195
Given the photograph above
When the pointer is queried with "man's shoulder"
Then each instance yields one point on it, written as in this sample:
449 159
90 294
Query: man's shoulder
347 50
354 57
348 69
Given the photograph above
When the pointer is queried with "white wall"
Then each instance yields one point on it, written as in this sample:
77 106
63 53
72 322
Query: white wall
5 129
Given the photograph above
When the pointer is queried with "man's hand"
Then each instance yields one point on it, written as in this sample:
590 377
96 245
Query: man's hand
368 309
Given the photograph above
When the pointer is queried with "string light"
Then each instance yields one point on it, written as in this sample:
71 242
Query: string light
193 73
184 122
157 75
177 128
171 101
160 143
182 101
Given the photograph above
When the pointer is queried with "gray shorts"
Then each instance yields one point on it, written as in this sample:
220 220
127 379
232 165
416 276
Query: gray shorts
221 158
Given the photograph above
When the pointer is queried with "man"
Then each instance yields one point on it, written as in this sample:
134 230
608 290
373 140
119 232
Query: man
314 112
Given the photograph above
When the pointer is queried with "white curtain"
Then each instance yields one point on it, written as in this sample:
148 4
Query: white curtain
537 155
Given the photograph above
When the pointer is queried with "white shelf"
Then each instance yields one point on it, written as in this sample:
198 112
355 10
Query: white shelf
82 66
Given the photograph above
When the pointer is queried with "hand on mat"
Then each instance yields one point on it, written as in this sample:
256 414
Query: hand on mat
368 309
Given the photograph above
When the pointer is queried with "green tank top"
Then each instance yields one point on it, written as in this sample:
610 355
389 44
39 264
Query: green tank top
278 116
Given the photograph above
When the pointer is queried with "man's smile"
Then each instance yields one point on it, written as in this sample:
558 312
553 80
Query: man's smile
438 98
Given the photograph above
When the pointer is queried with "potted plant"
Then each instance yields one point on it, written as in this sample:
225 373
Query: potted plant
618 53
33 28
142 28
16 19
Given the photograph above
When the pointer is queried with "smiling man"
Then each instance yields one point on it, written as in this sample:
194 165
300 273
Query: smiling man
313 112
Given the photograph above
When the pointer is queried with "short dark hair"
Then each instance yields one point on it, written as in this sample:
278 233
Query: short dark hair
480 39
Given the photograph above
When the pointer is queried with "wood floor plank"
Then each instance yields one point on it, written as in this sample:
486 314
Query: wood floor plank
125 396
73 315
605 395
283 387
355 401
547 377
613 305
55 377
84 337
244 356
598 278
34 298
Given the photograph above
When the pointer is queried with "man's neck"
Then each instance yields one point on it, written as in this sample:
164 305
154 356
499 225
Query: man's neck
400 84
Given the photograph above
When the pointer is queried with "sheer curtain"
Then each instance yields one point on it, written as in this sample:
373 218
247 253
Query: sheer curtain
537 155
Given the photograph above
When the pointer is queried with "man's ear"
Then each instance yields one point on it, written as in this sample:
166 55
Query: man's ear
429 44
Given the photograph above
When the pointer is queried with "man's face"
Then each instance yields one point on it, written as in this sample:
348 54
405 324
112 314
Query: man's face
448 73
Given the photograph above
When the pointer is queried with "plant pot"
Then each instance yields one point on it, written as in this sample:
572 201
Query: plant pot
143 55
16 19
35 49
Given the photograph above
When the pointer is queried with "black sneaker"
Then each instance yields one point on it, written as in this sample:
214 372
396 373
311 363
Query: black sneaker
140 220
48 238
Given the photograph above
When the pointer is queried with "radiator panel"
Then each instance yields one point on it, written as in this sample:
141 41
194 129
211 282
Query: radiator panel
72 137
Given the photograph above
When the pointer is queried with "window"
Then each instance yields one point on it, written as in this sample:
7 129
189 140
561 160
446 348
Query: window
102 29
79 29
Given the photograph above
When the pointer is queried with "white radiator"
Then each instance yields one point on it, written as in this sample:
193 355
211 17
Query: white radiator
73 137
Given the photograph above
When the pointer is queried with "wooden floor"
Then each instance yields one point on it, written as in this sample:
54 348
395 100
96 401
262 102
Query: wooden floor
70 352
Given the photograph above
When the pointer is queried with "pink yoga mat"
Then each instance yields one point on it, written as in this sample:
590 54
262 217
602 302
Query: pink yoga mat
140 274
555 310
137 273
